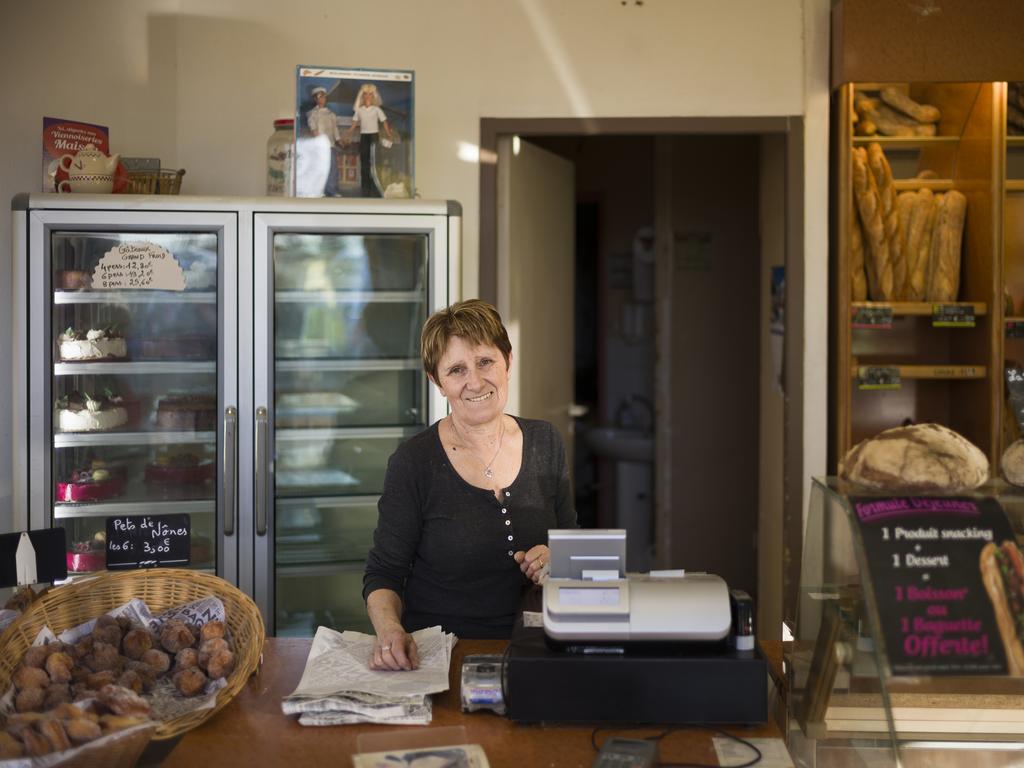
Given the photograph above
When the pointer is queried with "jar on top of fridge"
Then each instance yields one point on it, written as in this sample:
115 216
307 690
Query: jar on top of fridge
280 158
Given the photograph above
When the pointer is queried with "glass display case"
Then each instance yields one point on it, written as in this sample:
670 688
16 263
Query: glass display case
900 655
248 363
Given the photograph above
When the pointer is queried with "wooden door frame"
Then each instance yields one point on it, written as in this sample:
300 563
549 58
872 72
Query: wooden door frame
793 128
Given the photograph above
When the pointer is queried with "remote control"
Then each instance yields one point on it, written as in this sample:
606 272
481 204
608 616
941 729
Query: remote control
626 753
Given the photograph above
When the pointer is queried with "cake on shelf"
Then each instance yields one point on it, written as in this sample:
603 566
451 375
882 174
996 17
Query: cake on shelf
72 280
195 412
86 556
94 483
184 347
92 344
182 468
78 412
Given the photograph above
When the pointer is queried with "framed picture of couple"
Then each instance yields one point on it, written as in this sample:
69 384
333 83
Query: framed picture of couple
354 132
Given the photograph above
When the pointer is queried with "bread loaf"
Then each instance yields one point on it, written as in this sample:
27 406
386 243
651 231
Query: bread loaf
922 113
917 459
944 257
1013 463
858 277
890 216
876 251
917 242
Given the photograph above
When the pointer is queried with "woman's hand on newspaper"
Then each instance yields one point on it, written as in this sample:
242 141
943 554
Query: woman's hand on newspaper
394 649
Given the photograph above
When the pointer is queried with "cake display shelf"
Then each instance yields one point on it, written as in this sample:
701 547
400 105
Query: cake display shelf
134 297
69 510
343 433
308 570
77 439
327 502
159 368
332 366
348 297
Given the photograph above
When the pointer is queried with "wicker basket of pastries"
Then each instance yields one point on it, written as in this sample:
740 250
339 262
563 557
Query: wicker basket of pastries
241 635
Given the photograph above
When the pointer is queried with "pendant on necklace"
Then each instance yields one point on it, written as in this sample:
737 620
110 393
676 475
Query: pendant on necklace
488 473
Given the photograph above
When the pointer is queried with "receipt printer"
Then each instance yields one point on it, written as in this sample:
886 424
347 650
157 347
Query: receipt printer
690 607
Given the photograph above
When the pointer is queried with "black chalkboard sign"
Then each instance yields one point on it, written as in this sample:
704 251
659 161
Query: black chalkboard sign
50 545
148 541
926 559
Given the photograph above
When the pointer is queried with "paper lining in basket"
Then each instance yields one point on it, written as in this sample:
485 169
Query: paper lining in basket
338 687
164 700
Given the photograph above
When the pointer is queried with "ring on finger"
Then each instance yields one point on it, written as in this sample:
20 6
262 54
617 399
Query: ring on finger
384 648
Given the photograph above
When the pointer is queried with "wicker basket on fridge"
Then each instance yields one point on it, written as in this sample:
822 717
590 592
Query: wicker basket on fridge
160 588
163 182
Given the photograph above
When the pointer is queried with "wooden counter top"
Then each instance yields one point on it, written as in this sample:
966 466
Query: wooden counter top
252 731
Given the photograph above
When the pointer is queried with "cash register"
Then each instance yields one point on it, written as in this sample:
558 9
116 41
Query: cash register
659 647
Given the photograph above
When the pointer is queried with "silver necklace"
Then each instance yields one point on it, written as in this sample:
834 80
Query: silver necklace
488 472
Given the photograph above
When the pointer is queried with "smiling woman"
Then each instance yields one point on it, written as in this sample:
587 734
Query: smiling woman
467 504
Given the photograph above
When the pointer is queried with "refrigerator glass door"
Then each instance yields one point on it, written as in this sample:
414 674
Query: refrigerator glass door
345 387
135 337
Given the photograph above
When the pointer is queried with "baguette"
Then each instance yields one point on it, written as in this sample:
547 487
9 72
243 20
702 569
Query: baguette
944 258
876 250
922 113
858 278
882 174
904 205
918 243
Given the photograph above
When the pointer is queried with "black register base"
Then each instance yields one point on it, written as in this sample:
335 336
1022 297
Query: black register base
683 685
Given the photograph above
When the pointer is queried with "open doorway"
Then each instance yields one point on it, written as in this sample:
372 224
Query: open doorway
672 290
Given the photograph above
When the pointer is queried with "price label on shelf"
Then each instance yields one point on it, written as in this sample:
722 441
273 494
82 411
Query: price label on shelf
148 541
878 317
952 316
138 265
878 377
940 568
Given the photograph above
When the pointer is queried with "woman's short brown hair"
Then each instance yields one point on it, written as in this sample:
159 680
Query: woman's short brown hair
474 320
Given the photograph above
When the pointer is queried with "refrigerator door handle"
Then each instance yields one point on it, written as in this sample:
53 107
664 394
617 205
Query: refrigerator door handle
230 469
261 471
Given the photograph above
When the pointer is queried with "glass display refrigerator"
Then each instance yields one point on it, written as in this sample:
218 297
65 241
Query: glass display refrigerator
248 363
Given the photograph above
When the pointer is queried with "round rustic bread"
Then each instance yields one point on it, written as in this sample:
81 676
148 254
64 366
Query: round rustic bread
923 458
1013 463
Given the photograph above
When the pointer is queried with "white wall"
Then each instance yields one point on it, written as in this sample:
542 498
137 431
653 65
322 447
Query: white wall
198 82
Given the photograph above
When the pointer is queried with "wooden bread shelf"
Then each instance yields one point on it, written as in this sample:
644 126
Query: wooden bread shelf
968 156
913 185
936 372
1015 185
919 308
905 142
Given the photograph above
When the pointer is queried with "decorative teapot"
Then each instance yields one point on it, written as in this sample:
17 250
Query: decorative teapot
88 171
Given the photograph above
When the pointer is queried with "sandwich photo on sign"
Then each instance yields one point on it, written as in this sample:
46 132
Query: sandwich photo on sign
1002 571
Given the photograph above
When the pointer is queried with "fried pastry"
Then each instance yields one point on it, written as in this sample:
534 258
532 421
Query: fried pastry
190 681
185 658
122 701
53 731
136 643
158 660
212 629
80 730
30 677
30 699
59 666
176 635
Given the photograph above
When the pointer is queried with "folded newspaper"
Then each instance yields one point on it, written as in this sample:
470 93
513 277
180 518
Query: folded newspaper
338 686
